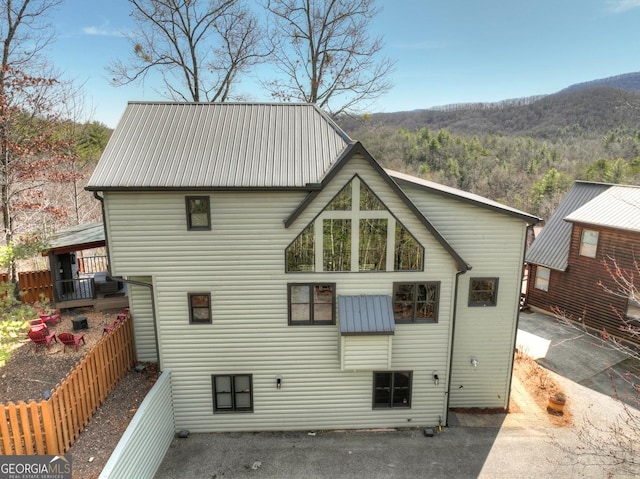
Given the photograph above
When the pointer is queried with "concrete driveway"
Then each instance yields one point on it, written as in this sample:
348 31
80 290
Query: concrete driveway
523 444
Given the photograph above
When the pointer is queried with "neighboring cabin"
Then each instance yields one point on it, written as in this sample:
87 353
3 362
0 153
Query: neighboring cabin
595 225
290 282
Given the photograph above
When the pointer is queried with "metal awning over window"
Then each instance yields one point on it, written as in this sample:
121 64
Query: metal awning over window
364 315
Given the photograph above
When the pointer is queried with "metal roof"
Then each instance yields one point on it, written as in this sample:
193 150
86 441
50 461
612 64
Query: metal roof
462 195
370 314
77 236
159 145
618 207
551 247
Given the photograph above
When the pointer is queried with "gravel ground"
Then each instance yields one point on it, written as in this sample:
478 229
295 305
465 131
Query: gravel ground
30 372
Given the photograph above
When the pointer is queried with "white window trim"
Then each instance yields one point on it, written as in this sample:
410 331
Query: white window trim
541 282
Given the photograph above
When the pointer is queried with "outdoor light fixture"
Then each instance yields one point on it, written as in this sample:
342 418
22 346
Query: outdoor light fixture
278 382
436 379
474 362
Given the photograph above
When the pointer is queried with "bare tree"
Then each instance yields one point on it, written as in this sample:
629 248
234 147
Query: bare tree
198 47
323 50
617 443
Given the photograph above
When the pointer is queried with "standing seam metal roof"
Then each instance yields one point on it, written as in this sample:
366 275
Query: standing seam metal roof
551 247
366 314
218 145
618 207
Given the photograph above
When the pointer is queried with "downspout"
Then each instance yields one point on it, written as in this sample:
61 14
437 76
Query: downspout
153 311
453 337
129 281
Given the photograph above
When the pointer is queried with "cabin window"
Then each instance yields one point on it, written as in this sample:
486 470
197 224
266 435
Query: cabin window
416 302
392 389
589 243
633 307
312 303
198 213
199 308
542 278
355 232
232 393
483 291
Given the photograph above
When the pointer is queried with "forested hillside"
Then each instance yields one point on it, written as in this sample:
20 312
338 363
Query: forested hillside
525 153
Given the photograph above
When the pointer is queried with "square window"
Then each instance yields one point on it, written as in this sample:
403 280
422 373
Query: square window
392 389
199 308
589 243
312 303
542 278
483 291
416 302
232 393
198 213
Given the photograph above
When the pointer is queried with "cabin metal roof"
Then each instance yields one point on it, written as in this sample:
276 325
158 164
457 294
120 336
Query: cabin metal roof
366 314
461 195
78 237
551 247
159 145
618 207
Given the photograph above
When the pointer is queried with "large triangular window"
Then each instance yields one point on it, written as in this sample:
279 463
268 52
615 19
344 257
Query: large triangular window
355 232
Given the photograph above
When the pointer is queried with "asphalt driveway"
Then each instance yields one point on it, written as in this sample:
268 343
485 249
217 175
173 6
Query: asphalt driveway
522 445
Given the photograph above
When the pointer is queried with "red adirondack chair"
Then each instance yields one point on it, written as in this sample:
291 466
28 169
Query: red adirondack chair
69 339
38 324
51 318
41 337
111 327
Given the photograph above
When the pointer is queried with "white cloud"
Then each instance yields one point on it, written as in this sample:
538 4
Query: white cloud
619 6
102 31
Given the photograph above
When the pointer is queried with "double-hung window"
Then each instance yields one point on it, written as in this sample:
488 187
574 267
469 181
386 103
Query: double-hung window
392 389
542 278
199 308
232 393
589 243
312 303
198 213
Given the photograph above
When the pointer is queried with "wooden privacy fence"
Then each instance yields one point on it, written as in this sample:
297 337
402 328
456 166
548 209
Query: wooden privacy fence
32 285
52 426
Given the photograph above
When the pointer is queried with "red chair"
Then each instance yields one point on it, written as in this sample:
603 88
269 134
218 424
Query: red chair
40 338
51 318
69 339
38 325
111 327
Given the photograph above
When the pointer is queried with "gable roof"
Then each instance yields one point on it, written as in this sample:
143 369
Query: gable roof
159 145
461 195
77 238
357 148
551 247
617 207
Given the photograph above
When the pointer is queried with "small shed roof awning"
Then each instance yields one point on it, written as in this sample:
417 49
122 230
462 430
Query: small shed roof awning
77 238
371 314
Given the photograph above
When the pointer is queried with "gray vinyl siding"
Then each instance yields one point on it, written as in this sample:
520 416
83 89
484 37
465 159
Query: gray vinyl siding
241 263
493 244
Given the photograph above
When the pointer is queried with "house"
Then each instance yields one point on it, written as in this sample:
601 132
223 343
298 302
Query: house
596 226
289 282
78 269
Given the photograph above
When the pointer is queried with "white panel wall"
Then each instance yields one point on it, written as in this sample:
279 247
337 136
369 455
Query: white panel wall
366 352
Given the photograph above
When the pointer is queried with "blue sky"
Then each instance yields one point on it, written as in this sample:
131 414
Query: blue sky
451 51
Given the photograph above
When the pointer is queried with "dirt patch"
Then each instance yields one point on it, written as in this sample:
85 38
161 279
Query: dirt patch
30 372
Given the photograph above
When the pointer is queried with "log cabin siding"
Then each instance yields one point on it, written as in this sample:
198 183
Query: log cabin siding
241 263
579 293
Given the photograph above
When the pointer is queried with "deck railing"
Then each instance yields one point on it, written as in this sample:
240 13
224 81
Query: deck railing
92 264
51 426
